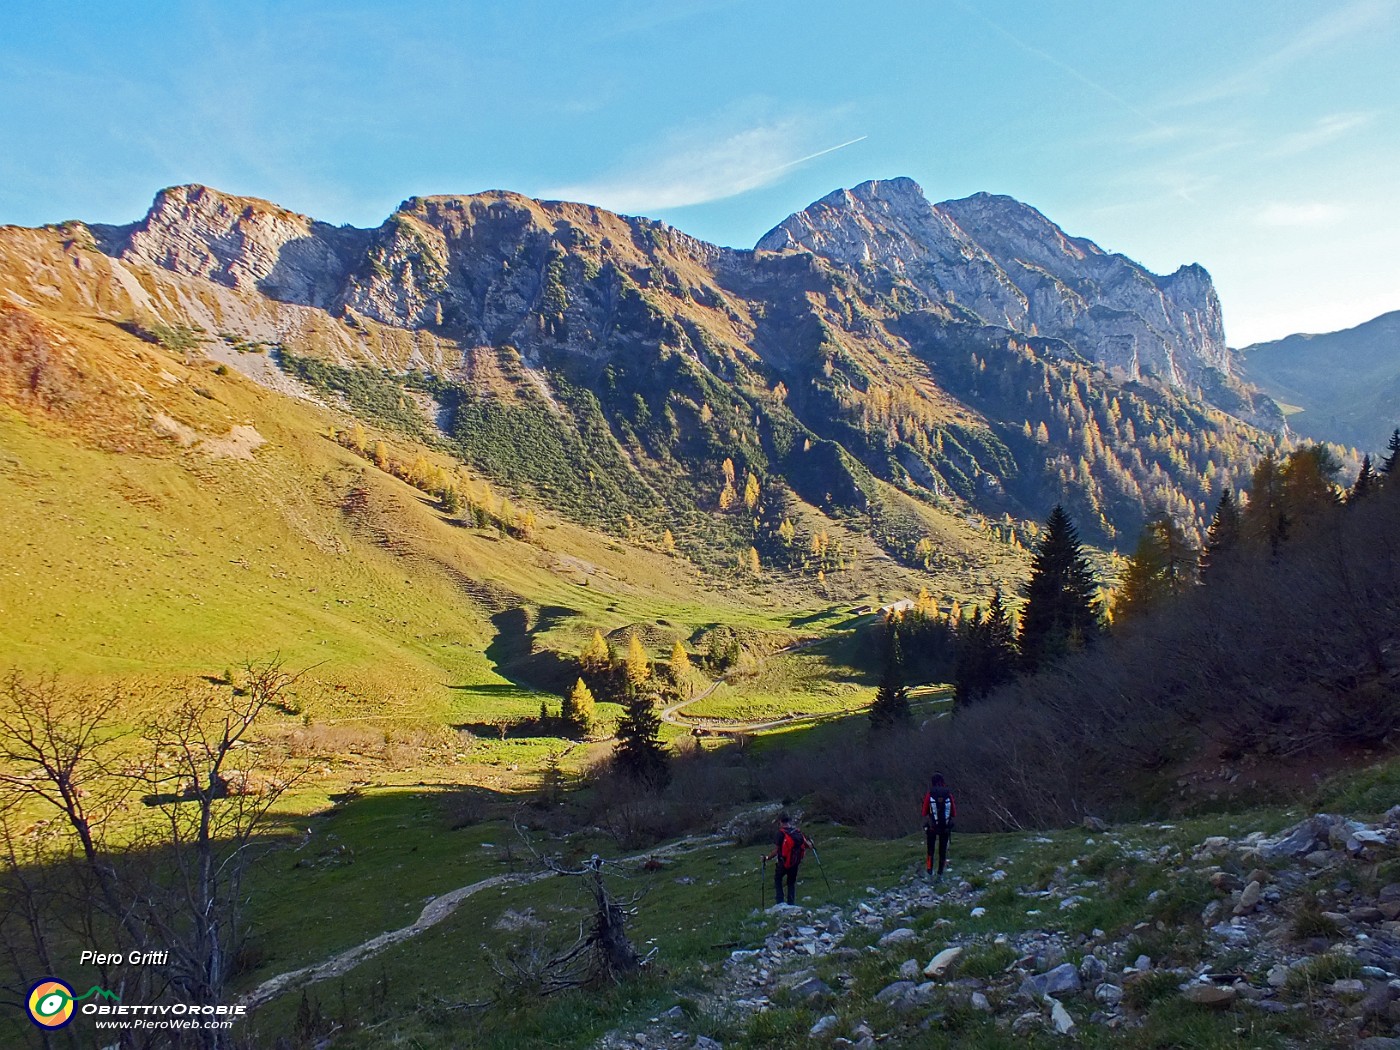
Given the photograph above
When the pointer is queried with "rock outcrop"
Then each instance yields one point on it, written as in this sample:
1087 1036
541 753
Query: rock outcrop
242 242
1009 265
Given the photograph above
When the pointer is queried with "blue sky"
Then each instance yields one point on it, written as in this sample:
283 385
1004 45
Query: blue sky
1261 140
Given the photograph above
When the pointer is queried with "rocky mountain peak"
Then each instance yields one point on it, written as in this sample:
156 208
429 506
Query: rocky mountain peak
1008 264
242 242
891 224
997 221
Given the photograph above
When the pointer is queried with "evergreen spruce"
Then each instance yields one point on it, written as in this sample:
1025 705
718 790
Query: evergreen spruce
1223 538
1264 519
638 753
1365 483
1062 611
967 682
987 655
999 650
891 706
1392 461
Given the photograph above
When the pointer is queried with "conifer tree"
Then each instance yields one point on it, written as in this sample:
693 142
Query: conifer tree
1264 519
1309 488
1223 538
1392 461
636 666
1365 483
967 685
751 491
595 656
680 663
578 709
1000 648
638 753
1162 565
986 653
891 706
1062 611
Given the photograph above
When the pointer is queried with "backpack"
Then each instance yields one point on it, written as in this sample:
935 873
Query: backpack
793 848
940 809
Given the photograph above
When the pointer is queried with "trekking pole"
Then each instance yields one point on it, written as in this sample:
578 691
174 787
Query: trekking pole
763 885
821 867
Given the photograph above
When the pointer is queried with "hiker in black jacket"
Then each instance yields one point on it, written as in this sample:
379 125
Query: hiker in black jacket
789 847
939 813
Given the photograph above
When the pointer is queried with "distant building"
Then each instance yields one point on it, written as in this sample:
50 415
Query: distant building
902 606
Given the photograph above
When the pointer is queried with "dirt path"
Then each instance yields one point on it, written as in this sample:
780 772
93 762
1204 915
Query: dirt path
713 727
436 910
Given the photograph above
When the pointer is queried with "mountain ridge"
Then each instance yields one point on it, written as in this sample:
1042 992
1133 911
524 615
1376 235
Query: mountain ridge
557 332
1343 385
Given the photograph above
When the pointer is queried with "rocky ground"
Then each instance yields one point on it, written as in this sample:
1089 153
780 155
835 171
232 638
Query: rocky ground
1296 935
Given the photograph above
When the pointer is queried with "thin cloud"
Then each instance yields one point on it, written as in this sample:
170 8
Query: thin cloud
1300 215
1323 132
1318 35
696 170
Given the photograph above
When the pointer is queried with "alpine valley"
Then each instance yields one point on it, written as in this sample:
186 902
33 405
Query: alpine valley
353 581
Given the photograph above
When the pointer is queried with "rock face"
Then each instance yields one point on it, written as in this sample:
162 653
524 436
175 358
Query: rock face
242 242
1009 265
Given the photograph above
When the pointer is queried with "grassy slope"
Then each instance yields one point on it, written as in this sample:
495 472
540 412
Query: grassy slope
696 909
129 556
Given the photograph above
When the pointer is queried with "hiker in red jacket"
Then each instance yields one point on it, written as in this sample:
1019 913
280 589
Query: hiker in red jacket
788 850
939 813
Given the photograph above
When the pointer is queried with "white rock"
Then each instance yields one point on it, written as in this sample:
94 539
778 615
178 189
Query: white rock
944 961
1060 1018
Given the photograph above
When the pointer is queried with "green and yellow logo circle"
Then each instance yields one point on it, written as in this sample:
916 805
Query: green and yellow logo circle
50 1003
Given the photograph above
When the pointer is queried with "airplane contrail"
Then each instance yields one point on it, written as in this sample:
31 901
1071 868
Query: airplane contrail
811 156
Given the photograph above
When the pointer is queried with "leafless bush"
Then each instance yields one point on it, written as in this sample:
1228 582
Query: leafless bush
176 884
